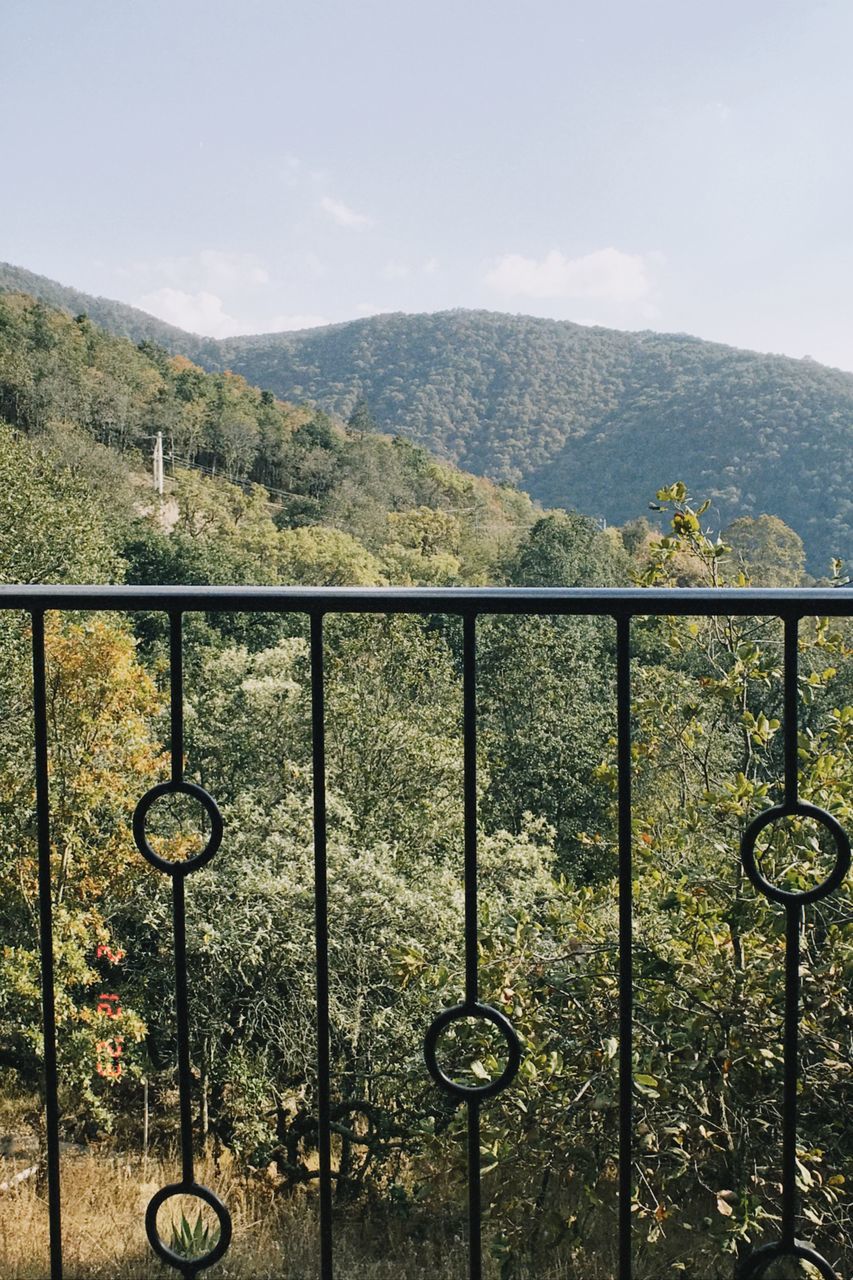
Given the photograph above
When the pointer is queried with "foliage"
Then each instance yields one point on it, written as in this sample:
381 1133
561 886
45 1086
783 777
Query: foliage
706 755
580 416
588 417
103 756
193 1239
709 965
766 551
71 385
49 531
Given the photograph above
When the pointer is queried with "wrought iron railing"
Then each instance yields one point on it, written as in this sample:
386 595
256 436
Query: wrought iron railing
622 605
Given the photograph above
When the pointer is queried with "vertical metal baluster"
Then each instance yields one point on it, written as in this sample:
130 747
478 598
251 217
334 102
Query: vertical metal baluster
46 947
321 924
469 743
176 695
757 1263
178 870
793 918
182 1018
179 925
791 713
626 958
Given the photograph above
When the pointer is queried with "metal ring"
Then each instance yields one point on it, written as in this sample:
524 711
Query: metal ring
185 865
800 809
487 1012
753 1267
189 1266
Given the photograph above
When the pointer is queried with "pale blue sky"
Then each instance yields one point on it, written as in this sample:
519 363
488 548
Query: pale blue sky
662 164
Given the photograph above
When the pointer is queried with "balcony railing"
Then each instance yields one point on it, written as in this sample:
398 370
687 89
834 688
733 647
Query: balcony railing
622 605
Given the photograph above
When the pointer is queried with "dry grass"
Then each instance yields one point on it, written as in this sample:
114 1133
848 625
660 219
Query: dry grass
104 1200
103 1205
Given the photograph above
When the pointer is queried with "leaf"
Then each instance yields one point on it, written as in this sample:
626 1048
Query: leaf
724 1207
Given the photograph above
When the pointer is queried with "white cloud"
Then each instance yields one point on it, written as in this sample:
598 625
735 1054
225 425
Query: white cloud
396 270
607 274
343 215
297 321
201 312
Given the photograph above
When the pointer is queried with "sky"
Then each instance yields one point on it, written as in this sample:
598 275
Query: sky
677 165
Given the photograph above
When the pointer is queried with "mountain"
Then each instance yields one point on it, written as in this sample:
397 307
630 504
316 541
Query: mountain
116 317
583 417
591 418
364 507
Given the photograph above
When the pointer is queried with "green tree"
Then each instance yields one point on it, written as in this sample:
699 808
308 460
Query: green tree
51 529
564 549
321 557
359 420
766 551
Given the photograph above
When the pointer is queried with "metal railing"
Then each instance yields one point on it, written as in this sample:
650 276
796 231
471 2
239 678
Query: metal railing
619 604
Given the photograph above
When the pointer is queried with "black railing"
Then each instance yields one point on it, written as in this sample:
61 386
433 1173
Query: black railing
619 604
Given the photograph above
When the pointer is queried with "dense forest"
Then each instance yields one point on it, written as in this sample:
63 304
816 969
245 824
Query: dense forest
580 417
260 490
370 508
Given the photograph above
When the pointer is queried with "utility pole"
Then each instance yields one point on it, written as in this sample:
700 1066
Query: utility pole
158 463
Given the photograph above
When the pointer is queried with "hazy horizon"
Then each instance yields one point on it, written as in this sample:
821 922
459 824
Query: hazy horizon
527 315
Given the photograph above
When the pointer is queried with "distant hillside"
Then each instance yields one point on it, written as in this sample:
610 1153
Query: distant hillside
116 317
591 418
404 515
580 417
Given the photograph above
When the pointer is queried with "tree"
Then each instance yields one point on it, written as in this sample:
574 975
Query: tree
51 529
564 549
103 757
766 551
359 421
423 547
321 557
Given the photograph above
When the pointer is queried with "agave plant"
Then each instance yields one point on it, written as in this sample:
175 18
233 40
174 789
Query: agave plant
193 1240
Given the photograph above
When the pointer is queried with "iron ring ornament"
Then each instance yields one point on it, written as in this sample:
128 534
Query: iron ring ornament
484 1012
185 865
758 1263
189 1266
790 897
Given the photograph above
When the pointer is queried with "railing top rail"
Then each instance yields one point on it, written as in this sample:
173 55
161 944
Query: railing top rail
610 601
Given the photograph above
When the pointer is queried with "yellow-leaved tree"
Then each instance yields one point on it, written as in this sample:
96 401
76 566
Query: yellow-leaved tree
102 710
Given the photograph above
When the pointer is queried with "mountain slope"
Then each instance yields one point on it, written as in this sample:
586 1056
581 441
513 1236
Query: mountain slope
580 417
116 317
591 418
75 388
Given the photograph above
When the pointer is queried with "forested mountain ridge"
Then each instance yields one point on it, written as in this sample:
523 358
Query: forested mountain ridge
291 495
580 417
117 318
591 418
